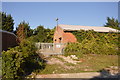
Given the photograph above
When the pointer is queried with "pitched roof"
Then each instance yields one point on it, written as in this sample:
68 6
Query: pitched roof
7 32
77 27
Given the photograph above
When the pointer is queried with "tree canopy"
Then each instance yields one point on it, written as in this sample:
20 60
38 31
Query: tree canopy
7 22
113 23
41 34
23 31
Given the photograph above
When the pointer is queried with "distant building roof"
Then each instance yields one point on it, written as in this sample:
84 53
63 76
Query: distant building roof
77 27
7 32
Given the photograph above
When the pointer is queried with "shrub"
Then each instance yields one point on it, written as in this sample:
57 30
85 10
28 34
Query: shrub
94 43
11 61
20 61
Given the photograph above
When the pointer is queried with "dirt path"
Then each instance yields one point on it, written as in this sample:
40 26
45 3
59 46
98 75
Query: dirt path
86 75
71 75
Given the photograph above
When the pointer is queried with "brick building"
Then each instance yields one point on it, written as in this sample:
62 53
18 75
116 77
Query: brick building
7 39
63 32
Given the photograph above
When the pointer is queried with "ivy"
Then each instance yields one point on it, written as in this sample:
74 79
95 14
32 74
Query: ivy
91 42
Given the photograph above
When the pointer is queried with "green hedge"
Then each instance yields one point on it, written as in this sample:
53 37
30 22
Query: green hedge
20 61
90 42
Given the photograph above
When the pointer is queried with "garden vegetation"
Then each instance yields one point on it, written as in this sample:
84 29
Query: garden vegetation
20 61
91 42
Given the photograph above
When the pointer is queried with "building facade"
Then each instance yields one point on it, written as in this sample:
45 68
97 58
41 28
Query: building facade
63 33
60 36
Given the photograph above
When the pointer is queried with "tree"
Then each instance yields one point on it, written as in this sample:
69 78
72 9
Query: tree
40 34
7 22
0 20
39 29
113 23
23 30
50 35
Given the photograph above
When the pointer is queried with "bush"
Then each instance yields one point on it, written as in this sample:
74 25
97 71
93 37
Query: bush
90 42
20 61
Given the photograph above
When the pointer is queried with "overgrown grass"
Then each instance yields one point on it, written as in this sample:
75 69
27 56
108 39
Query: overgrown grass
89 63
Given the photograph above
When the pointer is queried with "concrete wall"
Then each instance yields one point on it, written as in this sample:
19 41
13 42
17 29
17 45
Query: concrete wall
63 37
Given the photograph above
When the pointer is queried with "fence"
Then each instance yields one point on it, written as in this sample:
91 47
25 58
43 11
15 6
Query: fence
50 48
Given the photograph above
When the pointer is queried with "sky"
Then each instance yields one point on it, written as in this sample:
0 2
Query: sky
59 0
70 13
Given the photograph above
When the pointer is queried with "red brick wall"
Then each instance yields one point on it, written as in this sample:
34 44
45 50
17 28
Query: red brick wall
69 37
58 34
64 36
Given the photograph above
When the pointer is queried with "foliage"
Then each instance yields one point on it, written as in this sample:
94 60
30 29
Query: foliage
113 23
42 35
90 42
20 61
50 35
7 22
0 20
23 31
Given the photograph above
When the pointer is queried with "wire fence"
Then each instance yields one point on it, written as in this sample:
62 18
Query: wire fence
50 48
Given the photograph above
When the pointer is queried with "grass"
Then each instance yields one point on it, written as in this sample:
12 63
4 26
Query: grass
50 69
98 62
90 63
69 64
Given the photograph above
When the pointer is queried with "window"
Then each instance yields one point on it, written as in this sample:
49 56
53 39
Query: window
60 40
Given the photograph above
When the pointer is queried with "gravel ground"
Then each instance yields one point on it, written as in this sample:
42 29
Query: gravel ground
89 75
